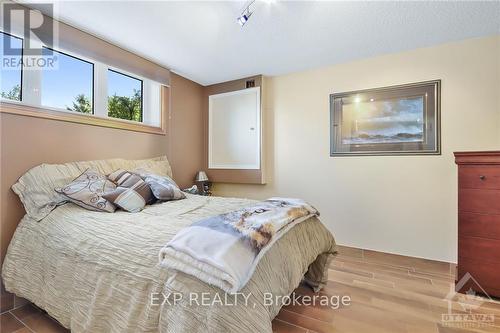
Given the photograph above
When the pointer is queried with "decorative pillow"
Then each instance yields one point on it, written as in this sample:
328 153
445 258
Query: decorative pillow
163 187
128 199
123 178
132 193
87 191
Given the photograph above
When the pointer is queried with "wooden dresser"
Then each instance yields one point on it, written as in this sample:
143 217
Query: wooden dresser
479 221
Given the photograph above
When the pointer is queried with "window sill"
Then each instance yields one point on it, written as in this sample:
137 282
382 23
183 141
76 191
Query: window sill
21 109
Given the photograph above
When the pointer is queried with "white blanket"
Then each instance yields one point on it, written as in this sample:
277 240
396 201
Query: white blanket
224 250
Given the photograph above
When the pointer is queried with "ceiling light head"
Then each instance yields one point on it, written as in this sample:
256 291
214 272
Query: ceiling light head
245 13
244 17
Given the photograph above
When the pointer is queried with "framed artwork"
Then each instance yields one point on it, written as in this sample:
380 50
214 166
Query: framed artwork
397 120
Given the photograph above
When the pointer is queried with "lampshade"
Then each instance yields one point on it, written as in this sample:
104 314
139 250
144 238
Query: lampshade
201 176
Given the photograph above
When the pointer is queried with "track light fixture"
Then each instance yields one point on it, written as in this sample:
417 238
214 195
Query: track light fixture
245 13
244 17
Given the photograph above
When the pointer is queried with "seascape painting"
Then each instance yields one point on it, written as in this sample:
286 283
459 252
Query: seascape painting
397 120
387 121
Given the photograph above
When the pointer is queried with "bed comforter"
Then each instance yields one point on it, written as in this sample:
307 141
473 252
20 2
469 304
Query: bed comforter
99 272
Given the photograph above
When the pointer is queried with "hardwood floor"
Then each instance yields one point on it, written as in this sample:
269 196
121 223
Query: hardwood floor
388 293
29 319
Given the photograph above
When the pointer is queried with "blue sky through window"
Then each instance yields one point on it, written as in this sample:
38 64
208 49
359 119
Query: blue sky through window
69 78
122 85
10 77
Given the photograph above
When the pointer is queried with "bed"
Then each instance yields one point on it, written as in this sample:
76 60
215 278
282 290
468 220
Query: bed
99 272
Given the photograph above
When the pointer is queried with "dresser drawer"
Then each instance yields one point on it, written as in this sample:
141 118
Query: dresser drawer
479 225
486 275
481 177
480 249
479 201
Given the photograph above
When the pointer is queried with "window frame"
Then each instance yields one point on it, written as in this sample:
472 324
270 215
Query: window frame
22 69
112 69
93 81
26 107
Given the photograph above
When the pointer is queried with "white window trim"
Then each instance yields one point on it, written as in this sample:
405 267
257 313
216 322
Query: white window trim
100 89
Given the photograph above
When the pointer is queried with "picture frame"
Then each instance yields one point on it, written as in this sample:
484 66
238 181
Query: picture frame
396 120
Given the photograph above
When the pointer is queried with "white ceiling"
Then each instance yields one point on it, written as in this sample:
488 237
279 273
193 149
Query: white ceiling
203 42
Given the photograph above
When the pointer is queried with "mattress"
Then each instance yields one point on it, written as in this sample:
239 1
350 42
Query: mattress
99 272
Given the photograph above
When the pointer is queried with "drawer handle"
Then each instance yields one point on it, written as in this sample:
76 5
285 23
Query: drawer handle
482 177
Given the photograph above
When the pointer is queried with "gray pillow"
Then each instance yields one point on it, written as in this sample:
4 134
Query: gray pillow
163 187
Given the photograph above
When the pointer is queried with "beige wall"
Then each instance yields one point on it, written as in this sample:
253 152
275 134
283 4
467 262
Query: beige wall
406 204
186 130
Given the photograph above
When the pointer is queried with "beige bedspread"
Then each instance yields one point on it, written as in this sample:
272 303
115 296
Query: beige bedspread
96 272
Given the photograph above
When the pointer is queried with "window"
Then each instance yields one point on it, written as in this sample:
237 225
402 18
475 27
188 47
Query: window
79 90
124 96
69 85
11 79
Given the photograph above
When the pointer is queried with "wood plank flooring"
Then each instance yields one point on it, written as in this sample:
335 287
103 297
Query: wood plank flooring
388 293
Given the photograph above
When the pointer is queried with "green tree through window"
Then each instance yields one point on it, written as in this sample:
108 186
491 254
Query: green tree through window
13 94
124 107
81 104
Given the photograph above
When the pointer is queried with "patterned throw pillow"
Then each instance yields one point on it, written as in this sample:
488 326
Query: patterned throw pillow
127 199
87 191
132 193
163 187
